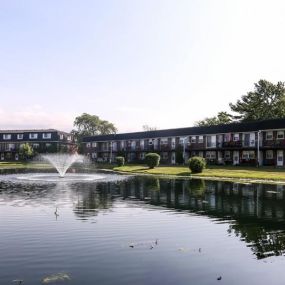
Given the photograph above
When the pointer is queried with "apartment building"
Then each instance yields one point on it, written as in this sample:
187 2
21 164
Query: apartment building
261 142
42 141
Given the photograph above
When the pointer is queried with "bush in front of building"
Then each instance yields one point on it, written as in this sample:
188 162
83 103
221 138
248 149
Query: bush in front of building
152 160
197 164
120 160
26 151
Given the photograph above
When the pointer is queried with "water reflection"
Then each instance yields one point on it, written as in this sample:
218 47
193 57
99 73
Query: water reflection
254 212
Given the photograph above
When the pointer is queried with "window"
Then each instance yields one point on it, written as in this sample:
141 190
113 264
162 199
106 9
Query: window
94 144
173 143
193 139
61 136
46 135
7 136
201 139
11 146
20 136
211 141
33 136
88 145
247 155
164 141
227 154
36 145
69 138
269 135
227 138
236 137
269 154
150 142
164 155
211 154
280 135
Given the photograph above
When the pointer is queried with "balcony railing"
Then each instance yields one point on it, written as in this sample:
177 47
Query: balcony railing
274 143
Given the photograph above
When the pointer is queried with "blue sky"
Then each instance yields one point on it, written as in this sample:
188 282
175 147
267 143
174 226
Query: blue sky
157 62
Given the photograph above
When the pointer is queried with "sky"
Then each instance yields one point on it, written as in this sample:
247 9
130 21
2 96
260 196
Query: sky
164 63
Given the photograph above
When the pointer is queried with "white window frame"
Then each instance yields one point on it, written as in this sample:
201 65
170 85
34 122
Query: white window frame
201 139
94 144
88 145
227 154
236 137
7 136
269 136
193 139
46 136
20 136
164 141
269 156
227 137
33 136
211 154
278 135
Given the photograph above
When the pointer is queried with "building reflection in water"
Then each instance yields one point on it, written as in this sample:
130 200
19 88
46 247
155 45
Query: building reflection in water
255 212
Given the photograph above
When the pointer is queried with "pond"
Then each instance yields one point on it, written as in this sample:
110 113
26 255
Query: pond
141 230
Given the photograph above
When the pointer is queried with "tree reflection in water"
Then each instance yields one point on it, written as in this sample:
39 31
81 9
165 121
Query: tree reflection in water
255 212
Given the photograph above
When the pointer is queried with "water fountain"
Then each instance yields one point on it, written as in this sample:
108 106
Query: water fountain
63 161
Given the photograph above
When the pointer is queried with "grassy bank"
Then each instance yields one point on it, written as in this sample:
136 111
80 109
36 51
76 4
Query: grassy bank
235 172
22 165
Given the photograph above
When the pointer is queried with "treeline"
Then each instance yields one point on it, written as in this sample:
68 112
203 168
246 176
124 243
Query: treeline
266 101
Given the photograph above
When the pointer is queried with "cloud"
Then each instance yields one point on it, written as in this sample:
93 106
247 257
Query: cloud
35 117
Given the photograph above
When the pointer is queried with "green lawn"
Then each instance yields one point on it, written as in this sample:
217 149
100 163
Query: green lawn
235 172
17 165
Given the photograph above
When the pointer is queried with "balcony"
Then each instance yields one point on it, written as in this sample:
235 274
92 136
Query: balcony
274 143
194 146
232 144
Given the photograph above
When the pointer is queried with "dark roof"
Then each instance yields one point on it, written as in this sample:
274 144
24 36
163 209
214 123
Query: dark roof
217 129
30 131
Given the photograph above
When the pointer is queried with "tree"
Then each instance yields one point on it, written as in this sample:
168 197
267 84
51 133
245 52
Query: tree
221 118
267 101
91 125
148 128
26 151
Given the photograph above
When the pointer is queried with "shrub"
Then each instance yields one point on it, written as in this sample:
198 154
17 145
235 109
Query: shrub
152 159
196 164
120 160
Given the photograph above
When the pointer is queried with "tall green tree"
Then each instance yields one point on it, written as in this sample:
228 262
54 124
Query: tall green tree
267 101
221 118
91 125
